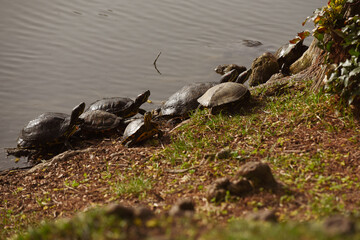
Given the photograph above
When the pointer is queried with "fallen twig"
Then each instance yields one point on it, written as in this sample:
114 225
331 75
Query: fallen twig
155 63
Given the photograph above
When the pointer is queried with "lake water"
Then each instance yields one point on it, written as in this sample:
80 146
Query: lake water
55 54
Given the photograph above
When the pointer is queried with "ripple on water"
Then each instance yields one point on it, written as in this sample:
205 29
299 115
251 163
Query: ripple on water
54 54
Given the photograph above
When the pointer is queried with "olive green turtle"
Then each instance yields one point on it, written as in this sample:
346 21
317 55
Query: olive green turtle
140 130
99 121
50 129
121 106
185 100
228 96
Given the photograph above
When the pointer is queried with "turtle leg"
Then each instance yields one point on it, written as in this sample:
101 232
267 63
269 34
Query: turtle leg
130 144
215 110
67 144
20 152
142 111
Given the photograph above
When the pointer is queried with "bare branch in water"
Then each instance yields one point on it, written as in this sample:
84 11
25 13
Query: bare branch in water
155 63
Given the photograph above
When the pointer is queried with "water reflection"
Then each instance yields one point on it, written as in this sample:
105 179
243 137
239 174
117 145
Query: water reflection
54 54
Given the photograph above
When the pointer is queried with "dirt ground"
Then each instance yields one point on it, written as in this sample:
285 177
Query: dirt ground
81 179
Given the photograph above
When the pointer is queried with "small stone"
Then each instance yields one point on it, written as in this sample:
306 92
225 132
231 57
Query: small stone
184 207
339 225
224 153
263 215
259 174
210 156
217 190
240 187
222 183
143 213
119 211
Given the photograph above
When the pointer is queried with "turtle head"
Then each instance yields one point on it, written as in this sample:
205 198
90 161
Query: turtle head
76 112
147 117
142 98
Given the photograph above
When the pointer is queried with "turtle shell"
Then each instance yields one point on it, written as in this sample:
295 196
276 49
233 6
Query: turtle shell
50 128
45 129
139 130
185 100
289 53
121 106
99 120
223 93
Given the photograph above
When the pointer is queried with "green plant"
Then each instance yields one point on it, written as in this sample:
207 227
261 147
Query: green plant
339 37
136 185
345 80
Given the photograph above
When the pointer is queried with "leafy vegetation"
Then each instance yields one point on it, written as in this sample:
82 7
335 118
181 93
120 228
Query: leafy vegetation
339 37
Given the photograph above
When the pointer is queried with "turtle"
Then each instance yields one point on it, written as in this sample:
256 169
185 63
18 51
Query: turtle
185 100
229 72
50 128
99 121
228 96
288 54
121 106
140 130
223 69
244 76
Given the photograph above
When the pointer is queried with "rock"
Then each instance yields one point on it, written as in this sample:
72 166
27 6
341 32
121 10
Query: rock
263 68
240 187
263 215
217 190
259 174
339 225
222 183
184 207
120 211
143 213
223 153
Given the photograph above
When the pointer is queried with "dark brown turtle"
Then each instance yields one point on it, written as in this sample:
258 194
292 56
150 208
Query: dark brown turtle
185 100
99 121
288 54
50 129
121 106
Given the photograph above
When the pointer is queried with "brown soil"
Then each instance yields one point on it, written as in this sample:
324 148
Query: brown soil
48 192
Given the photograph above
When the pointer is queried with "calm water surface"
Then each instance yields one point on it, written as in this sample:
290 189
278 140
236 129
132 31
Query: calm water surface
55 54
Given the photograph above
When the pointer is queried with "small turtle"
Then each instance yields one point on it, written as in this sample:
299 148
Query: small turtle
251 43
288 54
223 69
121 106
50 129
226 96
140 130
230 72
229 76
185 100
244 76
98 121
